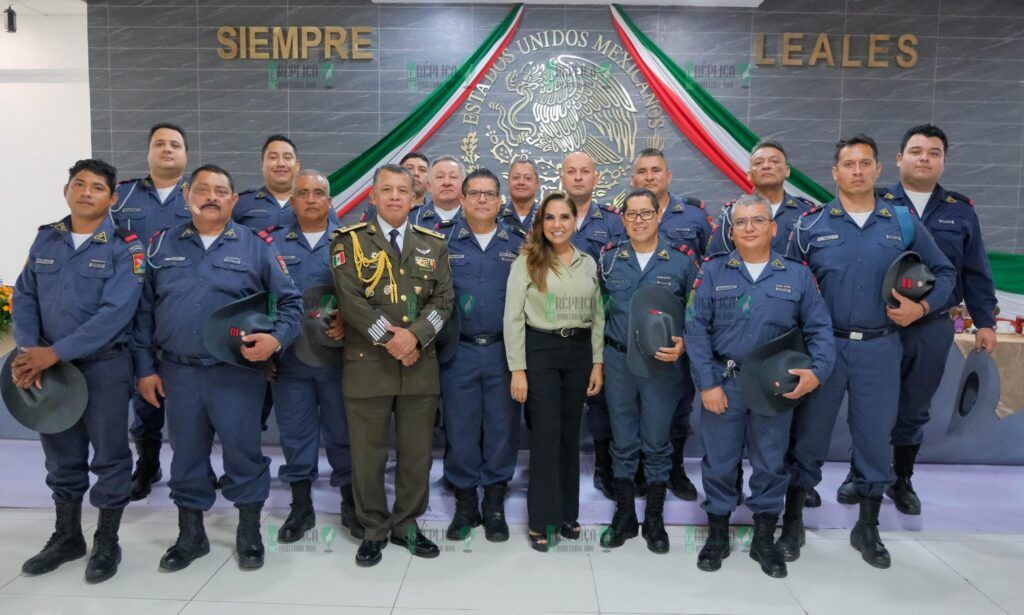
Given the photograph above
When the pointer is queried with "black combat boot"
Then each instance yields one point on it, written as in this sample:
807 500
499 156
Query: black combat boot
812 499
603 468
147 469
678 482
348 513
624 523
467 514
793 535
191 544
106 552
654 522
902 492
495 526
864 536
248 541
302 517
65 544
763 549
716 548
847 492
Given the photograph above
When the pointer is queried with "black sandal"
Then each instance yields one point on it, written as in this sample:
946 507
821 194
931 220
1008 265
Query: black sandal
570 530
539 542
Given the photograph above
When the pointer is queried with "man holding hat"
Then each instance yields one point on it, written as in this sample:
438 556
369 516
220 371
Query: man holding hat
741 301
307 385
394 288
205 281
73 305
643 391
850 244
953 223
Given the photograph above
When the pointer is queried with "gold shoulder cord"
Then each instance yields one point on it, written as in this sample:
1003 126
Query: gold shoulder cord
381 261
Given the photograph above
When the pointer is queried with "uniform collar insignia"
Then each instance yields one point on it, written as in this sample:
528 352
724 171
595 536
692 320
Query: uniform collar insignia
292 235
147 182
623 254
597 212
836 211
734 263
371 229
505 211
885 213
428 214
184 184
260 194
950 199
100 237
889 196
502 234
790 203
777 264
678 207
230 234
663 255
60 226
187 232
463 233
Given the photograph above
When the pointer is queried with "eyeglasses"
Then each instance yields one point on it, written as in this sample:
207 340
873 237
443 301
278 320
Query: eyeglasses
487 194
755 222
643 214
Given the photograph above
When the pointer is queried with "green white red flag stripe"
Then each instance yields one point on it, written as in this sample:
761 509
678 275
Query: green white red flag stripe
713 130
351 183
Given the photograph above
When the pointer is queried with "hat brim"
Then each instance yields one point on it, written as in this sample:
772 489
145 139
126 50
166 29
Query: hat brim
755 397
55 417
645 299
892 274
215 336
447 341
971 412
307 350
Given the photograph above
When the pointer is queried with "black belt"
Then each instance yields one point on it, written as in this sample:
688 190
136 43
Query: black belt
197 360
731 367
105 353
613 344
482 340
563 332
867 334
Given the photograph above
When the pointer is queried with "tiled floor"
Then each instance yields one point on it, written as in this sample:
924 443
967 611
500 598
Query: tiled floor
933 572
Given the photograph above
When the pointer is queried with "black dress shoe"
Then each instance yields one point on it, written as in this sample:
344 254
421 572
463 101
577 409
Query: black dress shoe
369 552
812 499
419 545
570 530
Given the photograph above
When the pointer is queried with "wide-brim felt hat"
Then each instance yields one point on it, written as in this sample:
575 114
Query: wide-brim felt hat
313 346
55 407
224 329
977 394
909 276
764 376
655 315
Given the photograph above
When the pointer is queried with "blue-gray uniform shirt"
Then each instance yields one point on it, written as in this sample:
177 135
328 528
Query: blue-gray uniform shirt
686 222
850 262
426 216
79 301
953 223
673 269
602 228
479 276
185 283
508 216
258 209
791 210
138 208
308 265
729 315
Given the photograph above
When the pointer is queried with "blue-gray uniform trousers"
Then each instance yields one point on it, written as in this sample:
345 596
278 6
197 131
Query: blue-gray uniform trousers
481 419
641 410
224 399
103 425
723 437
926 345
869 371
308 402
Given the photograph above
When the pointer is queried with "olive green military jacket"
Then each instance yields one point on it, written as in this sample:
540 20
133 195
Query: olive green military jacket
374 292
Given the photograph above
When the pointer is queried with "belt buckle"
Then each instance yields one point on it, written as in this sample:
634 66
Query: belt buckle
564 332
481 340
856 335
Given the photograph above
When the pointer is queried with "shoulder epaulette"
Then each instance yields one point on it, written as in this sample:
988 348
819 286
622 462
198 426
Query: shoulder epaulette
427 231
611 209
128 181
248 191
691 200
264 235
351 227
958 196
805 201
685 249
885 193
126 235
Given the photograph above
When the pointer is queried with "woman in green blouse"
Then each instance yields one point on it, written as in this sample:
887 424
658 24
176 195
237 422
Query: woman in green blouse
554 342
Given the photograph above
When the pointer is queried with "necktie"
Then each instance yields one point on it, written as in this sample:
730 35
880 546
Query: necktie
394 242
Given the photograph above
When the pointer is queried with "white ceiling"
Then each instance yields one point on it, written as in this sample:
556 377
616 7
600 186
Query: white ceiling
46 7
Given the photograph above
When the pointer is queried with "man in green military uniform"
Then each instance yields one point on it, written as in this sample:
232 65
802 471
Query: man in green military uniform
394 289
